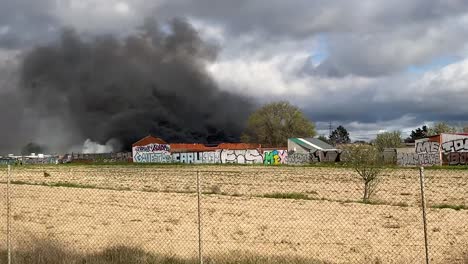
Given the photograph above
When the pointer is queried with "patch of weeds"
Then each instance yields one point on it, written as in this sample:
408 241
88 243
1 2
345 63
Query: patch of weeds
70 185
392 226
214 189
400 204
20 183
293 195
379 202
450 206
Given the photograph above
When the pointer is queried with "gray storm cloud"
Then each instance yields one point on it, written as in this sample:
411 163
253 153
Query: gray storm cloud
102 88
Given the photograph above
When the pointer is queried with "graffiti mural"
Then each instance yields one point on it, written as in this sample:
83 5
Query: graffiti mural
97 157
299 159
457 158
427 147
275 157
145 157
427 153
418 159
33 161
325 156
249 156
455 152
211 157
152 153
459 145
6 161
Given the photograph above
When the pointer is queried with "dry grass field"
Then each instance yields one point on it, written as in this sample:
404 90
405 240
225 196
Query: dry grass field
244 209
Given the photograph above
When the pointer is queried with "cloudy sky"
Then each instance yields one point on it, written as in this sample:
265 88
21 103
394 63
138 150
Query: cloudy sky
370 65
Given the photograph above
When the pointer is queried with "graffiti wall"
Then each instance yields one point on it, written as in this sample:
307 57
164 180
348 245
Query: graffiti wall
326 156
33 161
6 161
101 157
299 159
427 153
317 156
152 153
455 152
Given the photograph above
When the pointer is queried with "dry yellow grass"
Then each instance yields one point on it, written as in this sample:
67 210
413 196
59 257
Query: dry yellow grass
155 208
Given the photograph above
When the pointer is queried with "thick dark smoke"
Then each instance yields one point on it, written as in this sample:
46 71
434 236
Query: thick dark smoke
152 82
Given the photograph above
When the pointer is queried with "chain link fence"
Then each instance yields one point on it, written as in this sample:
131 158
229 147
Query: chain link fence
221 214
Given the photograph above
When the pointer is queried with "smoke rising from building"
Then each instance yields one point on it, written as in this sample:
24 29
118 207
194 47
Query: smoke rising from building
151 82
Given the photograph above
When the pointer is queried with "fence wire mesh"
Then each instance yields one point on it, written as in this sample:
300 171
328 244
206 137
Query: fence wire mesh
276 214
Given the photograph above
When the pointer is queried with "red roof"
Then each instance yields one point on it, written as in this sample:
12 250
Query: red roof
194 147
183 147
148 140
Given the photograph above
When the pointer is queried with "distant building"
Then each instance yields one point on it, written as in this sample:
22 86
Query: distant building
308 145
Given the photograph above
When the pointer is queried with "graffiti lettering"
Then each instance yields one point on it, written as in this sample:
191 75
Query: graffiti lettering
455 145
197 157
299 159
153 148
458 158
152 153
325 156
152 158
275 157
427 147
415 159
250 156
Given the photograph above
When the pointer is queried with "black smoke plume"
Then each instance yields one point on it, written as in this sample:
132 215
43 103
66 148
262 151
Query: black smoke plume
151 82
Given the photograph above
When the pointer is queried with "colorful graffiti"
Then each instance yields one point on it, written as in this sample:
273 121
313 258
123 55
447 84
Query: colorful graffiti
211 157
275 157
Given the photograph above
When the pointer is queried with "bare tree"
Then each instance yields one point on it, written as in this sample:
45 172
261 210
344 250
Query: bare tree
367 162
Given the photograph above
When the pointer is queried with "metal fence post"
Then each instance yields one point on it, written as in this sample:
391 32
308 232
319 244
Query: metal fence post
200 253
8 215
423 204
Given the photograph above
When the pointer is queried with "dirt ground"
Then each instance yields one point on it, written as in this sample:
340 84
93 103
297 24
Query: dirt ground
155 207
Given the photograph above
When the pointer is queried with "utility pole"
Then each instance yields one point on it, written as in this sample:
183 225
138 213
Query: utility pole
330 128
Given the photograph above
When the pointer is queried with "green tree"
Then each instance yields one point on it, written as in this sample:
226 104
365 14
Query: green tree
440 128
274 123
465 129
367 162
340 136
388 140
417 134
